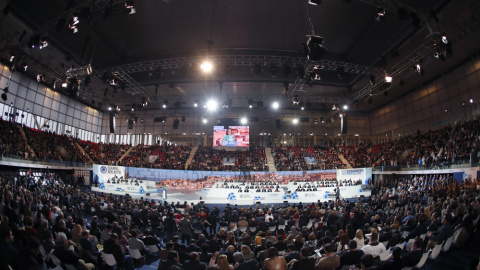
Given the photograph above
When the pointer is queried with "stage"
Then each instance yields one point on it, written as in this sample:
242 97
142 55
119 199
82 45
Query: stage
233 196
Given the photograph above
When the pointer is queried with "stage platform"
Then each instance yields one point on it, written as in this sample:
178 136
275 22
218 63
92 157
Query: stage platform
226 195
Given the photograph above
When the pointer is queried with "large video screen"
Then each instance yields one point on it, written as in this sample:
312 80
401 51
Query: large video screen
233 136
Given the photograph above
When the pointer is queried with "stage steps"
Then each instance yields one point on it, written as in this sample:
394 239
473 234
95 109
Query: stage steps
344 160
32 153
190 158
270 160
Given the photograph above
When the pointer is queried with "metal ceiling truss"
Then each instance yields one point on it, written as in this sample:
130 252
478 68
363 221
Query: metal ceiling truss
133 86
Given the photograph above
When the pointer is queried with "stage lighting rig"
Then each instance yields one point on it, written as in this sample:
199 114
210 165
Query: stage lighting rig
129 7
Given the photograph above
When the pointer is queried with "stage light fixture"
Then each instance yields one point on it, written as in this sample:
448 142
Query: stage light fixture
250 103
275 105
129 7
211 105
41 78
388 79
464 103
380 15
43 42
64 85
302 108
446 109
345 107
12 57
109 108
295 100
204 120
244 121
440 54
25 66
315 122
471 100
206 66
314 2
445 39
295 121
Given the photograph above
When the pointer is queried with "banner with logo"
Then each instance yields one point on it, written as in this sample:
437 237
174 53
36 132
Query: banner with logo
364 174
101 173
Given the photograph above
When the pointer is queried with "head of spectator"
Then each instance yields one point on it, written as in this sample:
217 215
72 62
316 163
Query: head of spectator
272 252
238 257
366 261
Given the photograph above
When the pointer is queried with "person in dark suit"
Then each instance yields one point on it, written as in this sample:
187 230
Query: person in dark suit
193 263
292 253
110 246
411 258
173 260
304 262
90 251
444 234
241 264
352 256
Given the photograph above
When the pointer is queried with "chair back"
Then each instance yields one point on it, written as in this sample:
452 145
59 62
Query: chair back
109 259
135 253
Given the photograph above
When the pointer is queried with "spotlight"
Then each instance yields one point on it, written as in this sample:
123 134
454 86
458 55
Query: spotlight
43 42
345 107
418 68
295 121
164 105
380 16
206 66
315 122
211 105
471 100
275 105
322 120
444 39
195 104
129 7
12 57
25 66
314 2
302 108
243 121
41 78
64 85
250 103
295 100
464 103
446 109
388 79
109 108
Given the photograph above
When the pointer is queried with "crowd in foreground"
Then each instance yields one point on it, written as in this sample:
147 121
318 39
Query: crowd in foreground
41 220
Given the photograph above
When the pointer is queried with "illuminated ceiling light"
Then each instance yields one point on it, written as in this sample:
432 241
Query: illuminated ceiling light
444 39
243 121
388 79
418 68
275 105
302 108
129 7
295 100
64 85
315 122
25 66
211 105
43 42
464 103
195 104
164 105
446 109
206 66
41 78
295 121
340 115
109 107
380 15
314 2
345 107
250 103
204 120
12 57
471 100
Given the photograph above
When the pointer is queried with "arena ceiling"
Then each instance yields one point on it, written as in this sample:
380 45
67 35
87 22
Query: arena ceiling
155 53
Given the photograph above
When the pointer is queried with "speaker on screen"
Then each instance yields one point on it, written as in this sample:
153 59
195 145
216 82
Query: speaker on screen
112 123
176 122
344 125
278 123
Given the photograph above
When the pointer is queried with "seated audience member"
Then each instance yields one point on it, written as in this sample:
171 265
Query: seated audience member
220 261
273 261
411 258
330 261
374 248
171 262
193 263
242 264
292 253
305 262
110 246
367 262
444 234
352 256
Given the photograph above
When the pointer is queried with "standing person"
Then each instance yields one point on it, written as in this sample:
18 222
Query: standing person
185 229
170 227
